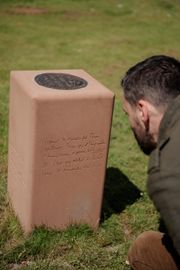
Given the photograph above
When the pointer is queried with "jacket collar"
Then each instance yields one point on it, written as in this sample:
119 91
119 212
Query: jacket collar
171 116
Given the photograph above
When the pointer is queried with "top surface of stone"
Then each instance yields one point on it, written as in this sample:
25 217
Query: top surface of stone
59 84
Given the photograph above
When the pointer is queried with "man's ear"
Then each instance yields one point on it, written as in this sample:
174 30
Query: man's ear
143 112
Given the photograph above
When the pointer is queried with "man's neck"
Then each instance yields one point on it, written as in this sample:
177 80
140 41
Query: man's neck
156 116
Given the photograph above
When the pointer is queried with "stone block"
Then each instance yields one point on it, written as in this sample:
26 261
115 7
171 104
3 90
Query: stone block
59 132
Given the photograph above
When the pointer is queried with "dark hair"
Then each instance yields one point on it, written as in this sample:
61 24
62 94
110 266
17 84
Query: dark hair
156 79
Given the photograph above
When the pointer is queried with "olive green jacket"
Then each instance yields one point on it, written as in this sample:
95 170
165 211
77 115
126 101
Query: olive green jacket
164 172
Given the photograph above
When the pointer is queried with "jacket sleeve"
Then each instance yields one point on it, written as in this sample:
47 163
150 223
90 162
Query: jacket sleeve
164 184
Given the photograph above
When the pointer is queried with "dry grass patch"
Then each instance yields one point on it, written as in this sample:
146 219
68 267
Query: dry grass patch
22 10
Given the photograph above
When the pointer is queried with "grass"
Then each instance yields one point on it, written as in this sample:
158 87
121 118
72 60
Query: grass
104 38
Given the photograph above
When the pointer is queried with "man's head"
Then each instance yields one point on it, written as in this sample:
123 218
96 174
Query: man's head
149 87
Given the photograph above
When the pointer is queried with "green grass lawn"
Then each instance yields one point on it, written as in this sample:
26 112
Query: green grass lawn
103 37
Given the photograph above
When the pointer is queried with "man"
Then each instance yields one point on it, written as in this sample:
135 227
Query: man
152 102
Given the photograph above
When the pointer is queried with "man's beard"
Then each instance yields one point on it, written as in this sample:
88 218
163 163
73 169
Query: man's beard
145 142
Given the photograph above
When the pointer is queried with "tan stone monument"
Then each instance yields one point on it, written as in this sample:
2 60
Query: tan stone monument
59 130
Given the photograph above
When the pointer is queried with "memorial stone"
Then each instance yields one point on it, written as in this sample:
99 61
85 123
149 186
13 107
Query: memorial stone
59 131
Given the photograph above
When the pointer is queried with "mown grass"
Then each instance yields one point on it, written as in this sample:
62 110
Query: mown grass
104 38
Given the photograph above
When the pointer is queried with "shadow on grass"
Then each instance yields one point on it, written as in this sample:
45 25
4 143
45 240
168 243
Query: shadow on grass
162 227
118 193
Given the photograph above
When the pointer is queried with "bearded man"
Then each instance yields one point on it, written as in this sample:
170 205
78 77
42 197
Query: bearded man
152 103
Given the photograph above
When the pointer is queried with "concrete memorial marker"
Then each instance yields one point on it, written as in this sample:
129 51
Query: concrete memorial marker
59 129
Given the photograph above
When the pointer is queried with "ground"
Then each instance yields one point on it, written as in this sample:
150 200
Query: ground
103 37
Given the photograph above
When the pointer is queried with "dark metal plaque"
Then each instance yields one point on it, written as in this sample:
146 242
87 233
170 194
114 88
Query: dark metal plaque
61 81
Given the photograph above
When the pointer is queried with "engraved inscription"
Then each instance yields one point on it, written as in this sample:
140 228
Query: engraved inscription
72 153
60 81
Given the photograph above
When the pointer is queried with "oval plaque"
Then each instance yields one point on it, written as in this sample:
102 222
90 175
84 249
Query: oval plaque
60 81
